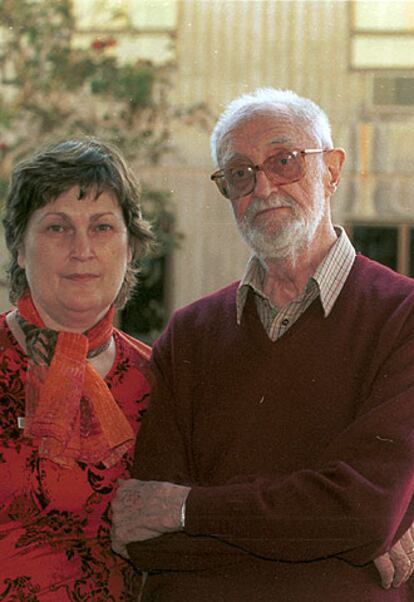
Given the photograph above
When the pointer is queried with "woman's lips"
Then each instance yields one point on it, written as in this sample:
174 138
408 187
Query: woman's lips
81 277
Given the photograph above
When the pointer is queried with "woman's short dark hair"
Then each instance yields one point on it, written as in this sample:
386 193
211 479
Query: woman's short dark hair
95 167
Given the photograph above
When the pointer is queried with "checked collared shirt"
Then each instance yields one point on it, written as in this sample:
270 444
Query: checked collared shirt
327 283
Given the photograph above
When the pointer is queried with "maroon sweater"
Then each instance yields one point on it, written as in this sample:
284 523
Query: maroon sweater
300 452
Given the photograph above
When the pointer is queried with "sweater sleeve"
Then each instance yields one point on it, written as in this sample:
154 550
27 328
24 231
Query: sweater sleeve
355 505
162 454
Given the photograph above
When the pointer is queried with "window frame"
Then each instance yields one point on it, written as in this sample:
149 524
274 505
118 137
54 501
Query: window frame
404 262
356 32
84 34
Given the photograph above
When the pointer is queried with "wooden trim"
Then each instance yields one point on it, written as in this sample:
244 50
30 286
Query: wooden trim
126 31
403 263
355 30
374 33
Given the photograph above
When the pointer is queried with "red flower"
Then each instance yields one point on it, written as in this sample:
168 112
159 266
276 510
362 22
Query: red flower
102 43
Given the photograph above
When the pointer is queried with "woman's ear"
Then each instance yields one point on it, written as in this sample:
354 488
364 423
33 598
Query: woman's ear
21 257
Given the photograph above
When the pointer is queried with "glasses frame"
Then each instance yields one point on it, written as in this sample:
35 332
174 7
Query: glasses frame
220 173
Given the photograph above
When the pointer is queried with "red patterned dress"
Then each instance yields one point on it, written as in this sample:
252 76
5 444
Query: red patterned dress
54 521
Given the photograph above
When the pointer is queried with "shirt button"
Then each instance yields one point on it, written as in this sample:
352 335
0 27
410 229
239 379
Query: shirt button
285 322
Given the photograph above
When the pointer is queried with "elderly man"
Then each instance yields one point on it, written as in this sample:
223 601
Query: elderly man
276 459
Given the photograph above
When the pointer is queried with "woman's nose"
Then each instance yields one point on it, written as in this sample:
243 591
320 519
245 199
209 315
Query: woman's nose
81 247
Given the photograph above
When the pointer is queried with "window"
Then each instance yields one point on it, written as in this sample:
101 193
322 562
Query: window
390 244
393 91
382 35
129 29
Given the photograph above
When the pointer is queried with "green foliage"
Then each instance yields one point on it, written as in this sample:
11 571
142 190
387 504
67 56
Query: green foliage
145 314
123 83
59 87
3 187
54 88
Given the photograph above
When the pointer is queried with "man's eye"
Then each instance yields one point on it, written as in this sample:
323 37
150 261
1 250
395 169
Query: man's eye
240 173
286 158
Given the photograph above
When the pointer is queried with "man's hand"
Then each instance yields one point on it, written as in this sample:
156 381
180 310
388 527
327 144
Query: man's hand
396 566
144 510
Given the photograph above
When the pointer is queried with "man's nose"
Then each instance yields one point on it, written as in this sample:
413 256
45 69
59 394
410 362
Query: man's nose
263 185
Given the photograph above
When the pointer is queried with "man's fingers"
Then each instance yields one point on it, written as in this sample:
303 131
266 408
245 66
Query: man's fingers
402 564
385 568
121 537
407 543
397 566
129 484
119 548
127 497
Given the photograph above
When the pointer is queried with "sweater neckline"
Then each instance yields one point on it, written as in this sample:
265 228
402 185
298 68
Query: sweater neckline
251 321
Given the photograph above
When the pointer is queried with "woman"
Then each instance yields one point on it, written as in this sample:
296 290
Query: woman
72 387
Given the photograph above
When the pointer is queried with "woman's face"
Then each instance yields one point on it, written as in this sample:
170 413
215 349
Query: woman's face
75 254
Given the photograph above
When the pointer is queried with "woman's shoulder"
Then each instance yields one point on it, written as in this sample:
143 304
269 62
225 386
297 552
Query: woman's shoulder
140 352
13 361
141 348
7 339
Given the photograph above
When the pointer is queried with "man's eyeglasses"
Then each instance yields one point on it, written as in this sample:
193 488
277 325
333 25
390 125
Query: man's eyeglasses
284 167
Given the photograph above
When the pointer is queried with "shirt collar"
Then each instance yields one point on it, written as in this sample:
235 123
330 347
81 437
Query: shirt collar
330 275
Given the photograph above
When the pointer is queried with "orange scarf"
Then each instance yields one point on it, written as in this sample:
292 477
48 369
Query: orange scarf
70 412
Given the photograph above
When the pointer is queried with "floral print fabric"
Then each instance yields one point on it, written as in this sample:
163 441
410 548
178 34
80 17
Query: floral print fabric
55 521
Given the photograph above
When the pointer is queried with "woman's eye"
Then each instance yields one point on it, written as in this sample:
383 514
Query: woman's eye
103 227
55 228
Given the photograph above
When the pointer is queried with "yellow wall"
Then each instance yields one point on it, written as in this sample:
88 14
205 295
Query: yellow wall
226 47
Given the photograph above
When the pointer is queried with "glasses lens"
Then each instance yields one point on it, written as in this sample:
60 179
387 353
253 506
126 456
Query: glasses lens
222 185
283 167
240 180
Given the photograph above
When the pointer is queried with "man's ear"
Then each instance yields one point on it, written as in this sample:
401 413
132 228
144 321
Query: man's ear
334 161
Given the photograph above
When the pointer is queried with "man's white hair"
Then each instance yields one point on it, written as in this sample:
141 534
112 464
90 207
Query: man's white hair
263 100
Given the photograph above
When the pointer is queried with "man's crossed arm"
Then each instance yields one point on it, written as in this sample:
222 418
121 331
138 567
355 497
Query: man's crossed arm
147 509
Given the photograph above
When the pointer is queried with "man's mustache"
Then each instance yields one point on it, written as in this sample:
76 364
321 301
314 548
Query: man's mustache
273 201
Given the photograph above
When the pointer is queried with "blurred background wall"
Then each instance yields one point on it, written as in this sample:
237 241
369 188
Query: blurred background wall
356 59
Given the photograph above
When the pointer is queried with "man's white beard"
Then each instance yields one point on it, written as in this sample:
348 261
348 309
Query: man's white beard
292 233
